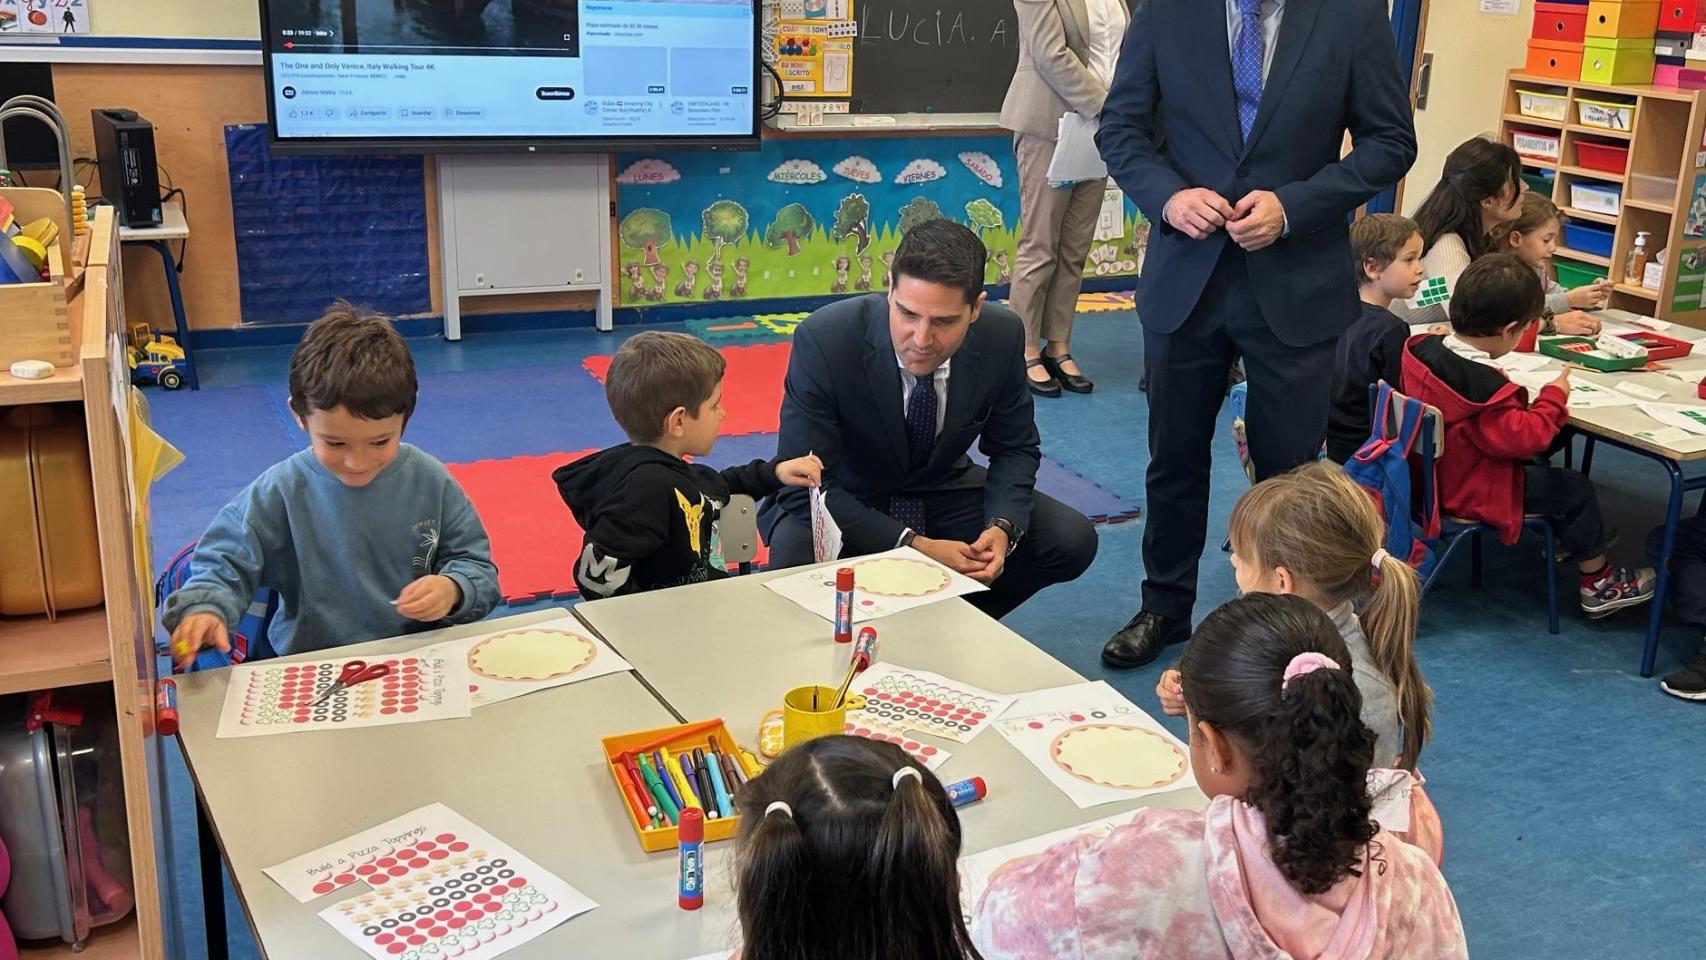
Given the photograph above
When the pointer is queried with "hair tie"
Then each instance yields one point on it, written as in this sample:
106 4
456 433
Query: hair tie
1380 558
905 772
1305 663
782 806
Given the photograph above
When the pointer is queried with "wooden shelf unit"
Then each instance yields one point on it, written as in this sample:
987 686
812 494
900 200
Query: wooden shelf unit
111 644
1664 141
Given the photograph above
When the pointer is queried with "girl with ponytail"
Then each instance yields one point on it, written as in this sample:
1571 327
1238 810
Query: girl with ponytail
848 850
1285 862
1315 533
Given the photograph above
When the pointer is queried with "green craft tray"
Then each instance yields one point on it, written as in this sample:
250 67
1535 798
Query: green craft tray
1554 347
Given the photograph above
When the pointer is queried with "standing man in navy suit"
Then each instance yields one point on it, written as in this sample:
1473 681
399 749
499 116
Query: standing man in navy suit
890 391
1233 148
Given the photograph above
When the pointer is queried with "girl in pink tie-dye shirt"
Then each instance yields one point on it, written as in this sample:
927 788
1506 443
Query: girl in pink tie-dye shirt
1285 862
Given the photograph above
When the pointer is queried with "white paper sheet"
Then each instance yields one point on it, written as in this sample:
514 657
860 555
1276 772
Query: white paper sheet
1672 438
1076 158
923 702
977 870
1390 793
1045 725
276 697
1514 362
1584 394
815 589
449 889
1687 417
511 663
826 533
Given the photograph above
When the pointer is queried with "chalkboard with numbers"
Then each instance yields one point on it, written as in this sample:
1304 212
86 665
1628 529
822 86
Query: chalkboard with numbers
934 56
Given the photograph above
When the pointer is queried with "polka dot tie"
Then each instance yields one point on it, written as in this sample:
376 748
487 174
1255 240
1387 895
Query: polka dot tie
920 441
1247 64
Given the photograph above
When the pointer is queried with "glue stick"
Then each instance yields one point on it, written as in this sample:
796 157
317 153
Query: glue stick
844 605
692 845
166 708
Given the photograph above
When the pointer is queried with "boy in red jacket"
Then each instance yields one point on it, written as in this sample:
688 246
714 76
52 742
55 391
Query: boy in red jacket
1492 469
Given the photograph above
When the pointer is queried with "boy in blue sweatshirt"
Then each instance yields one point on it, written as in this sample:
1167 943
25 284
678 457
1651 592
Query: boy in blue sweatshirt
362 536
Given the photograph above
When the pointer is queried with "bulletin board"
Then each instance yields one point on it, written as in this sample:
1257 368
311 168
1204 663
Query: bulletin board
200 19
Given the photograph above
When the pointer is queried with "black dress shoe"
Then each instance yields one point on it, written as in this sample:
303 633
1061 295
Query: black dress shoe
1042 388
1140 641
1077 383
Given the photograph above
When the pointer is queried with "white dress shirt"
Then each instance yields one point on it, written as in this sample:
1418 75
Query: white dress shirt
939 380
1272 12
1108 21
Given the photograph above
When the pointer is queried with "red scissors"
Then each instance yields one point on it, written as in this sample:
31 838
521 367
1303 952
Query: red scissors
354 672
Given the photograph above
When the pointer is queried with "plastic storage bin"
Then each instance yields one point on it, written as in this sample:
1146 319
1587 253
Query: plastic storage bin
1619 61
1667 75
1588 238
1605 157
1631 18
1539 181
62 815
1543 104
1607 114
1566 22
1672 45
1555 58
1536 145
1597 197
47 513
1572 274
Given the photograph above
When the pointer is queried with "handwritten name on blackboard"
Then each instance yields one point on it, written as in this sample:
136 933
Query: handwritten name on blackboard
888 23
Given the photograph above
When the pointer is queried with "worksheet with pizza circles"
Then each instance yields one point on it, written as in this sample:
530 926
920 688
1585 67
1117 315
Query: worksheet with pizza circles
884 584
1096 745
434 886
521 660
291 697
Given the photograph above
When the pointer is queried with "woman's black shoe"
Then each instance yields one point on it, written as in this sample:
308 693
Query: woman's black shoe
1070 381
1042 388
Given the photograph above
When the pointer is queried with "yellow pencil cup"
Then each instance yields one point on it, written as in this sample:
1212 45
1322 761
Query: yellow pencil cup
802 721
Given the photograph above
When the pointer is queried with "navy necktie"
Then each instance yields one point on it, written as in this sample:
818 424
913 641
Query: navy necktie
920 441
1247 64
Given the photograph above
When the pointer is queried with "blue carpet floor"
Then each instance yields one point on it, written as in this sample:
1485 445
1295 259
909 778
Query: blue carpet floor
1571 788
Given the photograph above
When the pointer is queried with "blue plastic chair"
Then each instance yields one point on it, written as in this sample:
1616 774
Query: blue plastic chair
1454 532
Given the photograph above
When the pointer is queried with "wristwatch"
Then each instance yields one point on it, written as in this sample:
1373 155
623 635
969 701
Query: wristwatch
1014 534
906 537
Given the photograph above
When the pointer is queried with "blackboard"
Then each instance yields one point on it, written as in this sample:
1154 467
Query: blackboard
934 56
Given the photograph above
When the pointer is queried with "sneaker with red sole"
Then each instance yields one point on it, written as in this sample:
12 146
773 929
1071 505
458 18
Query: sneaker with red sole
1615 588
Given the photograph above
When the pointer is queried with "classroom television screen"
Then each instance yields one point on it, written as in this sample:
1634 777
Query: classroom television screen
441 75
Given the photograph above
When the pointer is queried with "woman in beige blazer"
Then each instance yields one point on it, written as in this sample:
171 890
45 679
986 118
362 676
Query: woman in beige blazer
1067 51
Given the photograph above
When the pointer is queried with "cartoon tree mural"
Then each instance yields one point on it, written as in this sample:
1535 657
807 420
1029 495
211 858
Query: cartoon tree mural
983 215
853 219
646 229
918 211
793 223
723 222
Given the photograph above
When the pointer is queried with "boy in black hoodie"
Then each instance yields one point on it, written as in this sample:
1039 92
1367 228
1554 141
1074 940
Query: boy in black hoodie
649 515
1387 250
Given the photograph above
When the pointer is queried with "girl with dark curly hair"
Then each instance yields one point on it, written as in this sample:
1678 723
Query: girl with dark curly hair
1284 862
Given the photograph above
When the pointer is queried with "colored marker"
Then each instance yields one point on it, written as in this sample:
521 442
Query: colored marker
632 798
707 790
749 763
640 789
668 782
722 792
844 605
966 791
731 776
672 764
691 843
166 708
667 806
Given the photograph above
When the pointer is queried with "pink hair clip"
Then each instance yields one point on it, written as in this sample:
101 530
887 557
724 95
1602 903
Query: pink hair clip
1306 663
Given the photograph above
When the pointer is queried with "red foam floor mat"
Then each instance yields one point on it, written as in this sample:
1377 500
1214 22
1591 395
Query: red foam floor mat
752 386
535 539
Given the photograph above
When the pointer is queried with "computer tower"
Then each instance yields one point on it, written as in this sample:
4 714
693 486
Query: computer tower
130 179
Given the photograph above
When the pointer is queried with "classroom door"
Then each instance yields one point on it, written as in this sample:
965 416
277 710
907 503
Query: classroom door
1471 52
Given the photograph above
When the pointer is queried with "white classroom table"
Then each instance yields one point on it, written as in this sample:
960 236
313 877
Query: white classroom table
529 771
732 648
1623 427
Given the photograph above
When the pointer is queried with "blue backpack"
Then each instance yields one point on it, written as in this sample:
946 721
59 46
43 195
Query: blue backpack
248 641
1382 467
